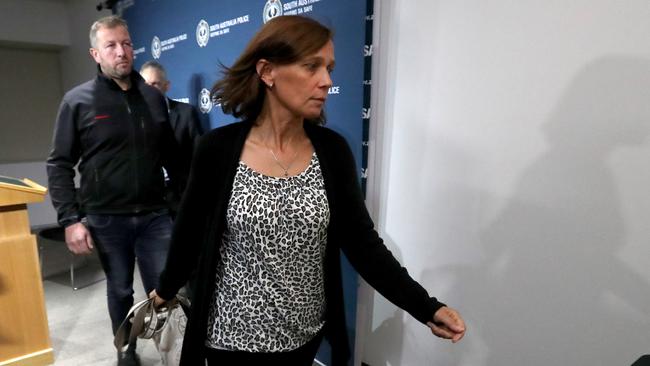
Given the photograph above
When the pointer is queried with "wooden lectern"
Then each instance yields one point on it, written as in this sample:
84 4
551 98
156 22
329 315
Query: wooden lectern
24 335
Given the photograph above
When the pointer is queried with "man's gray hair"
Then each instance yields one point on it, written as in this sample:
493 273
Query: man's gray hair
156 66
109 22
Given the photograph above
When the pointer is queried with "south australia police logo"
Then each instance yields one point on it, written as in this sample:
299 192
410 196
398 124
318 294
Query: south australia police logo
205 103
156 47
272 9
202 33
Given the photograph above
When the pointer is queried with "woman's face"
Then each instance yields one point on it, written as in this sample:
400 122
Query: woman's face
301 88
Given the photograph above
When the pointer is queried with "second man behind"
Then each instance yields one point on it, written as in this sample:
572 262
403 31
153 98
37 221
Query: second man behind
183 117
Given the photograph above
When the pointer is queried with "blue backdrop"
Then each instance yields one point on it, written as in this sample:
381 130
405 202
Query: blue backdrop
192 38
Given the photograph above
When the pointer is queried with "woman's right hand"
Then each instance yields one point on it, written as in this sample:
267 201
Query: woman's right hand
157 300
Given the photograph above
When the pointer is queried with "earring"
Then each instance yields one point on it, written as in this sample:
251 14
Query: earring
270 85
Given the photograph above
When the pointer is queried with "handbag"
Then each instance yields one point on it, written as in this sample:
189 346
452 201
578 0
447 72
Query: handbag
164 325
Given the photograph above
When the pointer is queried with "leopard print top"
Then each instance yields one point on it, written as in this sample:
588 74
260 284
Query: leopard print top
270 294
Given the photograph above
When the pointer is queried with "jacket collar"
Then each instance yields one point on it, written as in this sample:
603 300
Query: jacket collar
136 79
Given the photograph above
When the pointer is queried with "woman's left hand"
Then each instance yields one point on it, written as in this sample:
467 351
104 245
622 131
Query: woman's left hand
448 324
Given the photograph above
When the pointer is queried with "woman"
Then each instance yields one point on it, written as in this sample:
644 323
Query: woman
270 202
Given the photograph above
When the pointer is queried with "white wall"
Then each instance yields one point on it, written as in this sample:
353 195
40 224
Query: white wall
29 98
511 177
41 22
76 64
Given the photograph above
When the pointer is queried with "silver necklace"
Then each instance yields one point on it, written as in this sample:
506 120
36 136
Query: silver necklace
286 169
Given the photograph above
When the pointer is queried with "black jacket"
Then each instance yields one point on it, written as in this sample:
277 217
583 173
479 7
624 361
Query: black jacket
185 122
201 222
121 140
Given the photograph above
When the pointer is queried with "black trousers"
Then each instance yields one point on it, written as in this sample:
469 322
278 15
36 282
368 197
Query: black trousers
303 356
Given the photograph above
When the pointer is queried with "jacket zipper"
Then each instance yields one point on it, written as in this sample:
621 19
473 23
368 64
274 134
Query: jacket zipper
144 132
97 191
134 127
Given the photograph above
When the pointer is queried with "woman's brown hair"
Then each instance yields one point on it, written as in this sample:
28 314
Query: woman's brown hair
283 40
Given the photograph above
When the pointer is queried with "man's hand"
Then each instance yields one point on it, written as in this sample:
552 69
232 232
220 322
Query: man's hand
447 324
78 239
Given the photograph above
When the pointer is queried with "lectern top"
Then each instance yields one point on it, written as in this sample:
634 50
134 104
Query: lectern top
14 181
21 184
15 191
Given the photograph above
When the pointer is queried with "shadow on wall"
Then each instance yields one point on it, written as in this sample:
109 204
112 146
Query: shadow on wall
551 289
390 329
390 333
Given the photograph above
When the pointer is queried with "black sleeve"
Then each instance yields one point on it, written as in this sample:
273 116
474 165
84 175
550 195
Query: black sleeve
366 251
194 131
190 225
195 128
172 159
60 165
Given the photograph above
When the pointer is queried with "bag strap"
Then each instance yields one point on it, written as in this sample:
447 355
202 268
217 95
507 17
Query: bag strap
125 332
145 322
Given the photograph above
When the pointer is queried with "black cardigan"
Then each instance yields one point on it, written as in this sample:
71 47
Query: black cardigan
201 222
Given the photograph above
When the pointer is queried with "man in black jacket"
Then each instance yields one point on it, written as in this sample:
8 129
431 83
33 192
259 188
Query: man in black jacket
183 117
117 129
